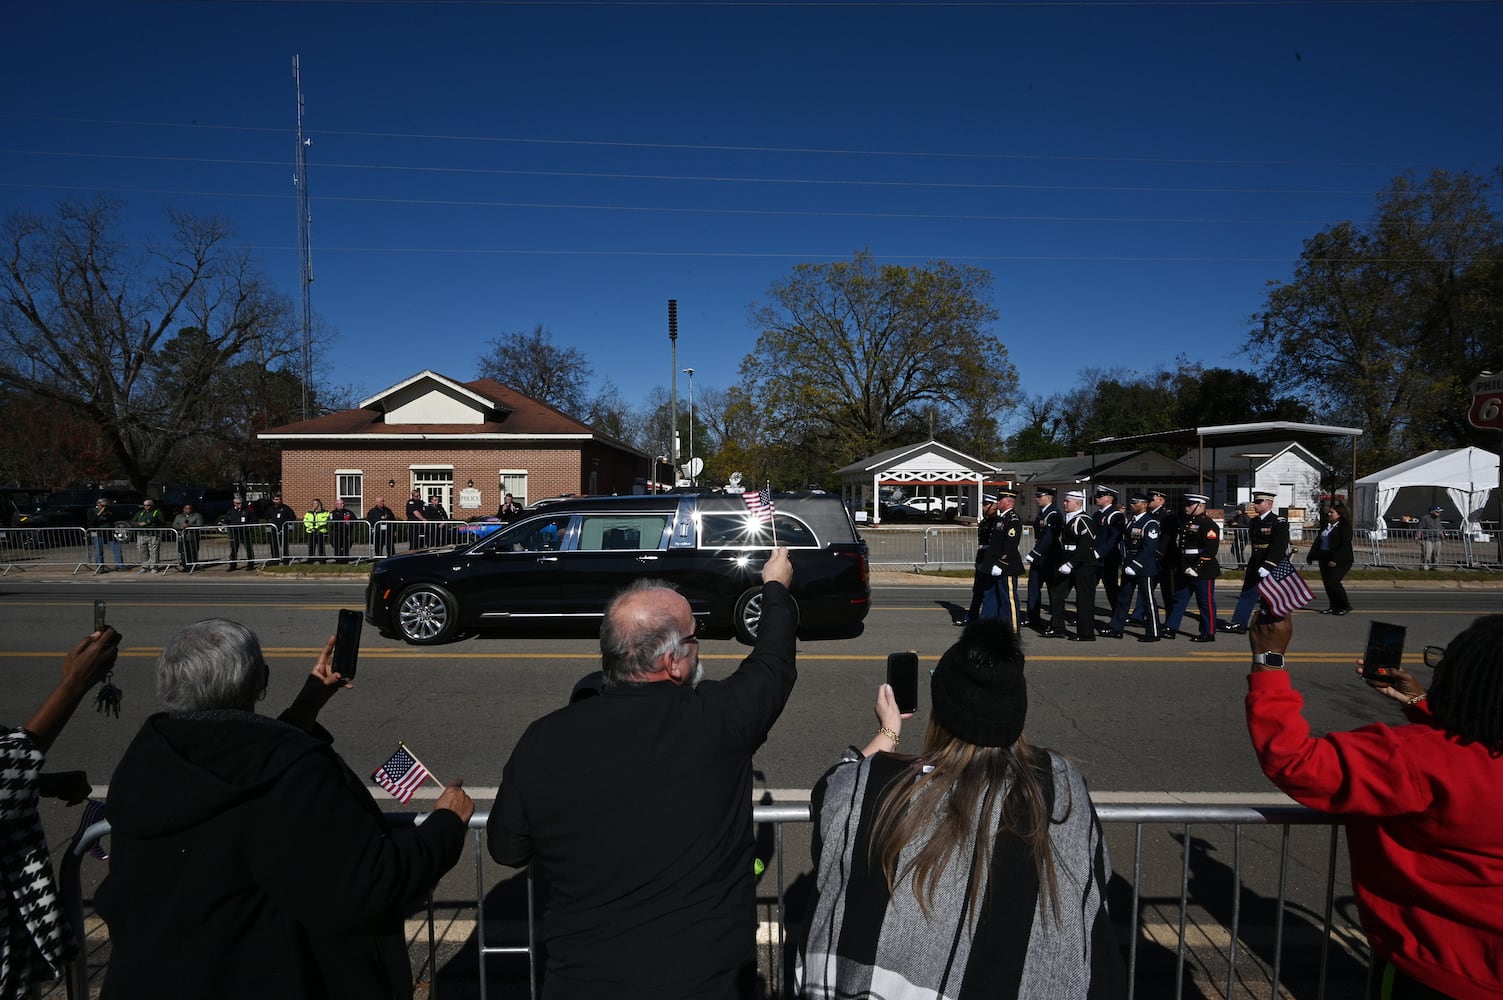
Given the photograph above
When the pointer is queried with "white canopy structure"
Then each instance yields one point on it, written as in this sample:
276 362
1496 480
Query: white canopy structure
1463 476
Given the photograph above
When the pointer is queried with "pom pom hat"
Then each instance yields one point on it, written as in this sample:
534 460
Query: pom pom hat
978 690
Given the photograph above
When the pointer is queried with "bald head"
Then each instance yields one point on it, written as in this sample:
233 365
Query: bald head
643 635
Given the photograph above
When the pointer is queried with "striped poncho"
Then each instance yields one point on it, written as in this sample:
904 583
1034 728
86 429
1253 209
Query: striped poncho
864 943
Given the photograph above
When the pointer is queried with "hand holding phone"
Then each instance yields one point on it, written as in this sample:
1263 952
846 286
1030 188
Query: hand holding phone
1385 650
902 675
347 643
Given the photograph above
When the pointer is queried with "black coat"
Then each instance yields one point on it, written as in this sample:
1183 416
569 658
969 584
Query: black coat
246 860
1339 549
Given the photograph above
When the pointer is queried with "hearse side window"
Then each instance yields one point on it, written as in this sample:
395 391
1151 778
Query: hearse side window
743 531
539 534
635 531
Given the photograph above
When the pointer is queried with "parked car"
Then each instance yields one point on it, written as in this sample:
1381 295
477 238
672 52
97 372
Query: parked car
902 513
16 501
556 567
69 509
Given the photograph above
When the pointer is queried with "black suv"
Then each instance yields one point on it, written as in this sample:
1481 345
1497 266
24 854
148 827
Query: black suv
69 508
212 503
559 565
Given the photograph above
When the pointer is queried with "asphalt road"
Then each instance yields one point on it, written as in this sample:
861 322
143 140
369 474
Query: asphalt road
1164 718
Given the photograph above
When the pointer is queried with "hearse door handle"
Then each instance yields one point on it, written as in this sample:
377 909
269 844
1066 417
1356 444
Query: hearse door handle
647 558
547 559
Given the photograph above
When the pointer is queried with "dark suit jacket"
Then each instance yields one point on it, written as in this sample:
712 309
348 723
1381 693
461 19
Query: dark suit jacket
1338 549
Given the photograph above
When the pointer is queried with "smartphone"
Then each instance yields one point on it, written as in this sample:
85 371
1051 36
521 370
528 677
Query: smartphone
347 643
99 623
902 674
1385 649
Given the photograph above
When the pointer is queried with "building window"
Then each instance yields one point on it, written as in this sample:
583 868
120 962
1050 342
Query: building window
514 481
350 487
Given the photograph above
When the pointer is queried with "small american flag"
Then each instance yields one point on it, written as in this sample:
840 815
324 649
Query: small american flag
401 775
759 502
1284 590
93 812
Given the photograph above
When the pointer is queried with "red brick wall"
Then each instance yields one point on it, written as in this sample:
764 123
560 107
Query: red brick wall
308 471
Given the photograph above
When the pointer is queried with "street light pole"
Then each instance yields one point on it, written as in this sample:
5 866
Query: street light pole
693 479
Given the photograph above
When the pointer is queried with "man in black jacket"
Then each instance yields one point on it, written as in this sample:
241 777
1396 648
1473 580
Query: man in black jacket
635 805
279 516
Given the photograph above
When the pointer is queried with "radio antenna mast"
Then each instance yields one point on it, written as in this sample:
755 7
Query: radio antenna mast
304 239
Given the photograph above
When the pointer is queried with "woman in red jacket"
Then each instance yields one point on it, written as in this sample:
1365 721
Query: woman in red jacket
1420 804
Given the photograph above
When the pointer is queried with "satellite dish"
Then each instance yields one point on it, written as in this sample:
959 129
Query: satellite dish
695 467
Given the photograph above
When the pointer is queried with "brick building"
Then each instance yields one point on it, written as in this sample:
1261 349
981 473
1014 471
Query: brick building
465 443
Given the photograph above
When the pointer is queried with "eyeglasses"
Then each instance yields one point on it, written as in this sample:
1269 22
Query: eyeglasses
1433 655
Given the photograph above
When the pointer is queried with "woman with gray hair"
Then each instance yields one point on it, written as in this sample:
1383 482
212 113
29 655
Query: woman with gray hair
246 859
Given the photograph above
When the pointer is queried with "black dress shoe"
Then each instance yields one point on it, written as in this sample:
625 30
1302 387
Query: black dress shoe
1079 638
1110 632
1343 611
1050 633
1330 611
1234 629
1136 621
1167 633
1202 638
1148 638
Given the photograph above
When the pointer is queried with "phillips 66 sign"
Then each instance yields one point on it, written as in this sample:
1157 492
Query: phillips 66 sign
1487 402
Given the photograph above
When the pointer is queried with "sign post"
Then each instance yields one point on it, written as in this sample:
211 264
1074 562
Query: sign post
1487 414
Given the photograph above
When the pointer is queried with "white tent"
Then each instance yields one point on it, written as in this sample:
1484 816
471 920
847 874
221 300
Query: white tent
1464 476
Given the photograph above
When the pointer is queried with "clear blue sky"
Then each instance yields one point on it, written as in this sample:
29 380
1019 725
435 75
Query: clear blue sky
1131 173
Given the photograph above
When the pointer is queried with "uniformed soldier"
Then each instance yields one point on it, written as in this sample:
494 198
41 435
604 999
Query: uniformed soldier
1268 544
1109 524
1044 556
1158 506
1076 571
982 580
1002 562
1140 571
1197 569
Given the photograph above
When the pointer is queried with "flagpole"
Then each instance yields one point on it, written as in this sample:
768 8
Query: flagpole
427 773
774 515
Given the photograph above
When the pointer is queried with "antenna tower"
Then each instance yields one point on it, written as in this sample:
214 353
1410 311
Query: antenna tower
304 239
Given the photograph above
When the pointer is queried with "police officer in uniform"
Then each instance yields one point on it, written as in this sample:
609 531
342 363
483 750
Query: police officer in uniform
1197 569
982 580
1140 571
1076 571
1001 562
1109 524
1268 544
1045 555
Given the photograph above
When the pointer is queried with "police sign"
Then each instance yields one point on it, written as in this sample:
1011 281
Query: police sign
1487 402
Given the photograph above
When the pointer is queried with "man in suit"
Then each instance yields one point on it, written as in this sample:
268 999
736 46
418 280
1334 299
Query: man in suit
1268 544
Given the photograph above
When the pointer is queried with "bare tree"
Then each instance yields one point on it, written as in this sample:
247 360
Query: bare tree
534 365
138 343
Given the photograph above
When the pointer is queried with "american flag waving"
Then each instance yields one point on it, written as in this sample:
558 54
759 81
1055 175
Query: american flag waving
1284 590
759 502
402 774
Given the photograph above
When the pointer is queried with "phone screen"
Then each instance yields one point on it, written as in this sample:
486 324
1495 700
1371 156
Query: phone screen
1385 648
347 643
99 622
902 674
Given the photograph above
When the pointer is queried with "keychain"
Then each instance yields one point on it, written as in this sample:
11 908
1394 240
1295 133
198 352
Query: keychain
109 697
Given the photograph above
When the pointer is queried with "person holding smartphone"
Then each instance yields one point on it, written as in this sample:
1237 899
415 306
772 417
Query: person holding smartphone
246 859
1419 800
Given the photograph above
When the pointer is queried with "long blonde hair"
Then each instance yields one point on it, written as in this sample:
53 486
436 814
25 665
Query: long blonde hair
955 784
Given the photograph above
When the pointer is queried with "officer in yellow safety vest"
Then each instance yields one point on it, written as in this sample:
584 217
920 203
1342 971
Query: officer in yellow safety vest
316 527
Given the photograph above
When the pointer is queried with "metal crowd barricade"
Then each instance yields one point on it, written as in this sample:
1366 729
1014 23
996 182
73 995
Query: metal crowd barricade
1402 548
22 547
1186 818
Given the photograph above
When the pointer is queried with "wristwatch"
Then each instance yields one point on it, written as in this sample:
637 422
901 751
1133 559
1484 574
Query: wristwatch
1274 660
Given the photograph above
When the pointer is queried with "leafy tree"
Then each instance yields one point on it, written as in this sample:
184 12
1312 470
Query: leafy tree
852 353
87 326
1384 324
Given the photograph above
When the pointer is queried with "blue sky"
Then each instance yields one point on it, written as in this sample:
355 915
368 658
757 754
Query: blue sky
1131 173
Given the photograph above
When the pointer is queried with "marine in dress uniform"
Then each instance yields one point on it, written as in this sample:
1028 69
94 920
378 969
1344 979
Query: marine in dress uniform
1076 571
1110 523
1197 569
1003 563
1268 544
1045 554
1140 571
